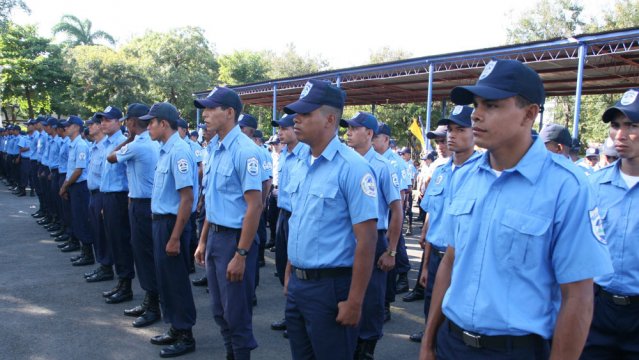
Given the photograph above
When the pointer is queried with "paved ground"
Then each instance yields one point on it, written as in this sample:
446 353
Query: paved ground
48 311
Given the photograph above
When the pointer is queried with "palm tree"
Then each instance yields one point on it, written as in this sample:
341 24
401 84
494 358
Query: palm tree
79 32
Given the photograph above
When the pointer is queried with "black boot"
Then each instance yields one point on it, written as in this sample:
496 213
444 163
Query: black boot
402 283
103 273
87 256
123 294
184 344
140 309
151 313
107 294
416 294
365 349
387 312
168 338
72 245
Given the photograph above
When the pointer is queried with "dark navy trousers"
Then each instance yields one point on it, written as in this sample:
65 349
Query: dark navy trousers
614 333
311 309
281 244
142 243
115 207
43 175
65 208
101 246
452 347
433 264
79 200
25 166
372 322
34 181
231 301
172 272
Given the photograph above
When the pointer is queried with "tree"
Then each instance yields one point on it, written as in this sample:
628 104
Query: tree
289 63
243 67
79 32
624 14
32 68
6 8
547 19
386 54
176 64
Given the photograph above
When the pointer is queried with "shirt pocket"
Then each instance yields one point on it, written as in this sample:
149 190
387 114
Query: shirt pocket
321 201
521 239
460 211
434 202
161 172
224 180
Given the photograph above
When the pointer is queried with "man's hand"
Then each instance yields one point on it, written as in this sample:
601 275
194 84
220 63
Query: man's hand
426 352
63 192
173 247
200 254
386 262
235 269
349 313
423 278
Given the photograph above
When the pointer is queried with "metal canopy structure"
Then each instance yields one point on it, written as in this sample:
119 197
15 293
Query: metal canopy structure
611 65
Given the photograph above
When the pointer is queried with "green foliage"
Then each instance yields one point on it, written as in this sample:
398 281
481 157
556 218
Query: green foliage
175 63
289 63
387 54
243 67
6 8
624 14
547 19
79 31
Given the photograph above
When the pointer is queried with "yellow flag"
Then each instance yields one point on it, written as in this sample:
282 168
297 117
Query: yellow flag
417 132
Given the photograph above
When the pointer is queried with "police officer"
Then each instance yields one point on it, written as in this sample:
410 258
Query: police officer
614 333
35 168
460 142
175 185
114 187
411 172
522 252
140 155
361 129
272 211
332 230
288 157
75 188
24 145
97 160
228 243
43 172
557 139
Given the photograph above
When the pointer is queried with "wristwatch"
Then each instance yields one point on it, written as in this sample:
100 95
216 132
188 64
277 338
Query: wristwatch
242 252
391 253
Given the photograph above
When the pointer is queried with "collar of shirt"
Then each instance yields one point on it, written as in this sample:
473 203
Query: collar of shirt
529 166
331 149
166 147
370 154
612 176
143 136
229 138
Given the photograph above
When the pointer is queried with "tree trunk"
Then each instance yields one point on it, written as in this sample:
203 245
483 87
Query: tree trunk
29 103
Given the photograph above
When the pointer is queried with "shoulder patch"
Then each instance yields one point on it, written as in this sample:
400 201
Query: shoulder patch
439 179
198 153
395 180
267 165
183 166
596 224
368 185
124 149
82 156
252 166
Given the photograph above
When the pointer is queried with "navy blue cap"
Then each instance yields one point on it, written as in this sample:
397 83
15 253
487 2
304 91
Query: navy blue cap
392 143
51 121
220 96
285 121
315 94
194 133
182 123
40 119
460 115
162 111
110 112
382 128
628 106
502 79
135 110
247 120
440 132
258 134
274 139
202 126
360 119
123 129
592 152
404 150
93 120
556 133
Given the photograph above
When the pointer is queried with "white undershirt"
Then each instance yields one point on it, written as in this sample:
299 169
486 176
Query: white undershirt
313 158
497 173
630 180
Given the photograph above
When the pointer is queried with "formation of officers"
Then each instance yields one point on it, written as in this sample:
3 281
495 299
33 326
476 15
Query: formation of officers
526 255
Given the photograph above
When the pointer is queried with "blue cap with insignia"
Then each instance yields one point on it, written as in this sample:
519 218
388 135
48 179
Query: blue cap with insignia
72 120
315 94
361 119
502 79
440 132
247 120
382 128
163 111
460 115
135 110
110 113
628 106
182 123
556 133
285 121
220 96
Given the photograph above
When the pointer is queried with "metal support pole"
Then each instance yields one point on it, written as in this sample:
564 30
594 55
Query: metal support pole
197 118
444 105
541 118
373 109
580 78
429 102
274 105
338 81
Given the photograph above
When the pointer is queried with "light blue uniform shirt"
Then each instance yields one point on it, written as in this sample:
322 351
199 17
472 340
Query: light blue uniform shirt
64 154
411 170
267 163
140 157
287 160
13 145
437 197
97 158
42 140
53 157
387 184
24 142
44 159
196 148
78 158
400 168
113 175
618 209
176 169
233 169
328 197
33 145
517 237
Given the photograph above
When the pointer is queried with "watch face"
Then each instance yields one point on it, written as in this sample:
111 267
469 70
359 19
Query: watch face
242 252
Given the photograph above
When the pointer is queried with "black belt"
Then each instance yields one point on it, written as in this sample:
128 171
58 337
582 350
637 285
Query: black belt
621 300
316 274
499 342
285 212
163 216
141 200
95 191
221 228
54 170
440 254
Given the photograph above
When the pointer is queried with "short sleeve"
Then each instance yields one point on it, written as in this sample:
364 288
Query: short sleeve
81 156
182 167
361 191
249 169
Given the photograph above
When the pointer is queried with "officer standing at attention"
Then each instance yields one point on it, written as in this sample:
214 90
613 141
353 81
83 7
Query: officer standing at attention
175 185
332 230
140 155
522 253
97 160
114 187
233 200
361 129
614 333
434 236
556 139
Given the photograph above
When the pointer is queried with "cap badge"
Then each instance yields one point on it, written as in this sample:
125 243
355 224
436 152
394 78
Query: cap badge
488 69
107 109
306 90
629 97
212 92
457 110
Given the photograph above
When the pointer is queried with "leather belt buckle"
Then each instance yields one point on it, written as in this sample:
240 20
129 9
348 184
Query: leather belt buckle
301 274
621 300
471 339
